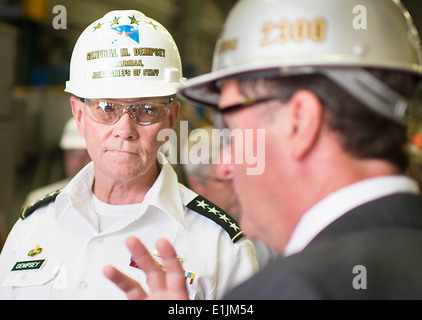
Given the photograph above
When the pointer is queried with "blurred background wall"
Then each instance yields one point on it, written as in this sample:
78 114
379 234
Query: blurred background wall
34 62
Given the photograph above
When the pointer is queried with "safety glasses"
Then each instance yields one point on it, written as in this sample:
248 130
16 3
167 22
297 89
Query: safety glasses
142 112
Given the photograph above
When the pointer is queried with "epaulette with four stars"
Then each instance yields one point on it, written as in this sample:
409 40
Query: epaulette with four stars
216 214
29 209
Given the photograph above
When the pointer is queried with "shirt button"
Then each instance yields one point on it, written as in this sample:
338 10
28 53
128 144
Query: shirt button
83 284
100 240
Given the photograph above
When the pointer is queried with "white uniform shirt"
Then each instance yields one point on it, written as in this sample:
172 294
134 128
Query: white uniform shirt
76 246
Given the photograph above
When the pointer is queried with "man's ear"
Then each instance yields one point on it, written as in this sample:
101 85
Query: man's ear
77 110
174 114
307 117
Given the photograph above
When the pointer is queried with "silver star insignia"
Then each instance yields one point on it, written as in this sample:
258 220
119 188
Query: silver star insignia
202 204
213 210
234 226
224 217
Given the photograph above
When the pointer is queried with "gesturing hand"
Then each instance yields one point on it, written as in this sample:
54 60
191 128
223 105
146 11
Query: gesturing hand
168 285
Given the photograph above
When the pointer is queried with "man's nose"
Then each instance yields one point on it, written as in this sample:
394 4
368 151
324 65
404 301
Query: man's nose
126 127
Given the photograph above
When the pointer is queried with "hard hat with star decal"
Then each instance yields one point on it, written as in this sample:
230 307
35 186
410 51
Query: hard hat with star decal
125 54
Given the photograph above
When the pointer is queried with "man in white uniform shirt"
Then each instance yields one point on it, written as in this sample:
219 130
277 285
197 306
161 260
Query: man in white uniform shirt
59 247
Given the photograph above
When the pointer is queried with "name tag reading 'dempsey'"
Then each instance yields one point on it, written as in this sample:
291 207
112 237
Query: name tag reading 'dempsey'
28 265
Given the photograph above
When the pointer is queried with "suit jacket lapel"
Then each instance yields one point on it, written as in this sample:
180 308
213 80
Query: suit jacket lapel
400 210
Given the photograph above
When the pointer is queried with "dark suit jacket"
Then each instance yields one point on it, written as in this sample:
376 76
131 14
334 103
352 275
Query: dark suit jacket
384 236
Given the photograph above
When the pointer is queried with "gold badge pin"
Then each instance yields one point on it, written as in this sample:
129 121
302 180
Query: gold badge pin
35 251
157 258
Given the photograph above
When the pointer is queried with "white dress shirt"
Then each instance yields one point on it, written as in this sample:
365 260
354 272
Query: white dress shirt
342 201
77 243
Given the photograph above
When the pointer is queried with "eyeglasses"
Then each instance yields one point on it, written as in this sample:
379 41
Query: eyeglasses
248 103
219 122
142 112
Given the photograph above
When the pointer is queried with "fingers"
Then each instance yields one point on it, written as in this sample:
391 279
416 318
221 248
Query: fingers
144 260
129 286
175 275
172 280
168 284
168 256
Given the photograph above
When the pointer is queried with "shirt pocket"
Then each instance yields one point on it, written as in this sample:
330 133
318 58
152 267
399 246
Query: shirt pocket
139 276
194 293
33 284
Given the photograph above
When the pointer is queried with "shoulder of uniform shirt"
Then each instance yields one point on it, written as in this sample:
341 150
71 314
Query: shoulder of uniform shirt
30 209
209 210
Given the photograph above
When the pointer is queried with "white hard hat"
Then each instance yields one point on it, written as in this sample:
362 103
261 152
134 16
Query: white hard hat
337 38
125 54
71 139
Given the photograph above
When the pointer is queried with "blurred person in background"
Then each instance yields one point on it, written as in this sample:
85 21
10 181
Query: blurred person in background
210 175
75 158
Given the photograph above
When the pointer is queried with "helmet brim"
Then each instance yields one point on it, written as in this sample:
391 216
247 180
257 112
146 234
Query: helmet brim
205 89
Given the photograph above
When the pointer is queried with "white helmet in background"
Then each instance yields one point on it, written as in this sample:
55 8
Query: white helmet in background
71 139
125 54
337 38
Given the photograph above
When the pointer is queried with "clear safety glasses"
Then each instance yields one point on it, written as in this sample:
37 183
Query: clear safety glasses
142 112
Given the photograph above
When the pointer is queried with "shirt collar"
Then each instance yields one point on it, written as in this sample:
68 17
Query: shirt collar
164 193
342 201
77 193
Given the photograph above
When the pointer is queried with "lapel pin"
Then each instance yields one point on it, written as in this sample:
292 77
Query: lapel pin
37 250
